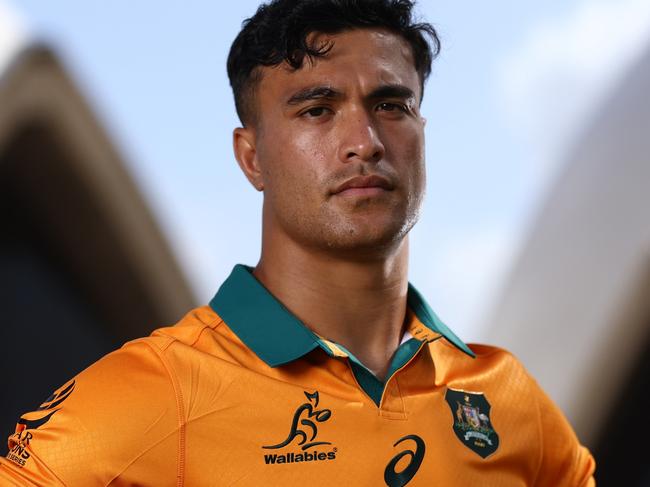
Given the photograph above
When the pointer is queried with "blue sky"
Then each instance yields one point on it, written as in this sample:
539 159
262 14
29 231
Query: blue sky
514 84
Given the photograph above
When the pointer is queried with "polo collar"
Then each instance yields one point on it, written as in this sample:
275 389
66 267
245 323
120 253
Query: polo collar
278 337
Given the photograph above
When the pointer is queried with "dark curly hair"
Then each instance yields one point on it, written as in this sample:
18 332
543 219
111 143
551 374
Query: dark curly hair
279 30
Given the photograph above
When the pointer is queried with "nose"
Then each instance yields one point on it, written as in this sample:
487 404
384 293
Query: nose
360 140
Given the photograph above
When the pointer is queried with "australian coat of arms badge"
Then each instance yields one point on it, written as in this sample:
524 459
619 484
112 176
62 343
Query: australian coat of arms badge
472 425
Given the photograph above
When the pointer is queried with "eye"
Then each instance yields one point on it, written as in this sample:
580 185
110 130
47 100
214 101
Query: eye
391 107
316 112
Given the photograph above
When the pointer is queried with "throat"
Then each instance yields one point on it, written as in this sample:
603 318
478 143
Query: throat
358 305
381 364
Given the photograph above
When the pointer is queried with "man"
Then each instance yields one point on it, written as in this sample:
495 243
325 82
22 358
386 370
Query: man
321 365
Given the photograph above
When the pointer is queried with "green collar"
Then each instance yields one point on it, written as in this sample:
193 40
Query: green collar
275 334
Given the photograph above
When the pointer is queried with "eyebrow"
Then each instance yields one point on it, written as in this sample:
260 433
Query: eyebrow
326 92
392 91
314 93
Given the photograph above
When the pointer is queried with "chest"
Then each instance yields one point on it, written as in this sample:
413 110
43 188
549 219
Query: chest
280 434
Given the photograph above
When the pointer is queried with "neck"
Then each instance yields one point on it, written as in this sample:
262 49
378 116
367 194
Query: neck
358 304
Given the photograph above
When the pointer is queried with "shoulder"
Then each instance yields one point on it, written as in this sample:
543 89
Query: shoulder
124 410
521 412
496 373
98 423
490 364
146 376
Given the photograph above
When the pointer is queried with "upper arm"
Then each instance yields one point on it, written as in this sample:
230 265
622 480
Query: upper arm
564 462
105 423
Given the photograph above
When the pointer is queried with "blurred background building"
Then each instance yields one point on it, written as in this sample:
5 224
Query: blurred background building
117 187
576 307
84 266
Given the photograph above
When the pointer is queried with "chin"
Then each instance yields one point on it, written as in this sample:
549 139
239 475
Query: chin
377 239
357 235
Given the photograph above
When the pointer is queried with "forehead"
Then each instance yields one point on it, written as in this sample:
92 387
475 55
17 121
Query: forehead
360 58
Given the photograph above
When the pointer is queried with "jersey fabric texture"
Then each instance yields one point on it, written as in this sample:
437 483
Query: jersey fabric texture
242 393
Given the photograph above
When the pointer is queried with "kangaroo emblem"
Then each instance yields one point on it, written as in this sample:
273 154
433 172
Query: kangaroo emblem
304 425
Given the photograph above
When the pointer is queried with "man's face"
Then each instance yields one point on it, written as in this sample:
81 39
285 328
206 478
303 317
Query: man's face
340 144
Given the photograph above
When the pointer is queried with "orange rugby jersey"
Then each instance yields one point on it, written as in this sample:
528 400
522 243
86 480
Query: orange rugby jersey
241 393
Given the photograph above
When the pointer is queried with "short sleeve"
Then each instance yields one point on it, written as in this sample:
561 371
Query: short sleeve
565 462
113 421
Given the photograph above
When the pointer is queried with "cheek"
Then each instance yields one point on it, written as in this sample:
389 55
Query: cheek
293 165
407 152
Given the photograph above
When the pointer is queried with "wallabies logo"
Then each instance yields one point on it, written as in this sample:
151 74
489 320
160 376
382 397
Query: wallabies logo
304 428
303 425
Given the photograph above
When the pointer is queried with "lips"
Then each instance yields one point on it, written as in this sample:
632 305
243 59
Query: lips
363 184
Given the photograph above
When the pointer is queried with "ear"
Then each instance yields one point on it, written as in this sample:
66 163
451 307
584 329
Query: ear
244 146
